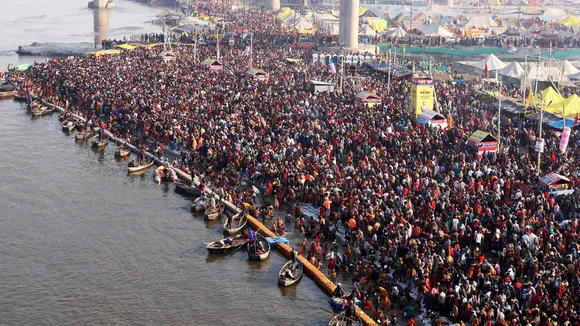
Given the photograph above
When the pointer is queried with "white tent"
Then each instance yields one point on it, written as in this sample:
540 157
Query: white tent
514 70
367 31
481 22
546 74
554 12
333 29
493 63
569 69
435 29
396 32
302 24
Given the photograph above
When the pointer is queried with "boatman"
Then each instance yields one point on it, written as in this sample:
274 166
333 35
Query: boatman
338 292
251 235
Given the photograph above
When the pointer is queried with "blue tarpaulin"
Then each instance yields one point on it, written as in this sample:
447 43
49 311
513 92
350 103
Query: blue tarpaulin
558 123
274 241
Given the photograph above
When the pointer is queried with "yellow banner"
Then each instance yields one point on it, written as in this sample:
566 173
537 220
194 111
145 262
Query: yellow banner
421 98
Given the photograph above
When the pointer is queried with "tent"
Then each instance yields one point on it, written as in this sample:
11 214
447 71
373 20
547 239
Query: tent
432 119
549 96
554 12
435 29
367 98
212 64
480 22
127 47
257 73
569 107
285 13
569 69
514 70
555 183
367 31
302 24
482 142
569 21
492 62
377 24
166 55
397 32
104 52
321 86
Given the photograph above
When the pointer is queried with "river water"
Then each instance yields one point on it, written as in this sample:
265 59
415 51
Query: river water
81 243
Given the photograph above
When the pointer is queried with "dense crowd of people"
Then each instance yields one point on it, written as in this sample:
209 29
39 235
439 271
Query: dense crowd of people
427 223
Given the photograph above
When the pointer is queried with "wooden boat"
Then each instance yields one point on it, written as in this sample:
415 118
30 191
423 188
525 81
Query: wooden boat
68 126
220 246
238 222
99 144
84 135
19 96
121 152
341 320
7 87
199 205
186 189
34 105
43 110
213 213
253 255
6 95
140 167
297 273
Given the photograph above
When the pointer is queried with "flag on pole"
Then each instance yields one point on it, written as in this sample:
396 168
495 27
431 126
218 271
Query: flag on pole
562 75
529 99
485 70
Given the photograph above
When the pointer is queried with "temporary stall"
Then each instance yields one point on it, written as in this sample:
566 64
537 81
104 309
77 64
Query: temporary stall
257 73
482 142
490 62
556 184
549 96
367 31
569 107
378 25
212 64
320 86
396 32
480 22
569 21
569 69
435 30
432 119
125 46
367 98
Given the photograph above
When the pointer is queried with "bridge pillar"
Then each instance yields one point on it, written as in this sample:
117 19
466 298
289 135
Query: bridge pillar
99 4
348 23
273 5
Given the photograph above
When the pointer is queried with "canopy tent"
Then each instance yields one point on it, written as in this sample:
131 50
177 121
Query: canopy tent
166 55
128 47
554 12
302 24
555 183
482 142
367 31
397 32
569 21
285 13
569 69
480 22
549 96
333 29
492 63
432 119
514 70
435 30
105 52
570 107
212 64
377 24
548 74
367 98
257 73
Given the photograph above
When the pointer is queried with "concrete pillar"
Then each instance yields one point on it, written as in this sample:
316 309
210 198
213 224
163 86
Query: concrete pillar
273 5
101 25
450 3
102 4
348 20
